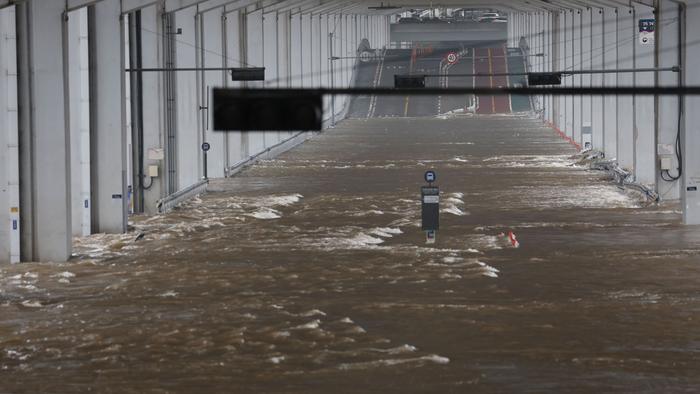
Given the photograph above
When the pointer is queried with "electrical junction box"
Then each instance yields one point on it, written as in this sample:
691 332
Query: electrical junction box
153 171
666 163
156 154
665 149
430 208
587 136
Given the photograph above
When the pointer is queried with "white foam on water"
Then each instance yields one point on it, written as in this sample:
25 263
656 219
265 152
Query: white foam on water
470 250
282 200
452 259
403 349
277 360
454 210
266 214
531 161
588 196
168 294
489 270
66 275
368 213
461 160
347 320
386 232
313 312
32 304
357 330
395 361
363 240
448 275
312 325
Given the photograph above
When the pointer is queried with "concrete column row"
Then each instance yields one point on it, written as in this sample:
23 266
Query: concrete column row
634 130
82 134
9 143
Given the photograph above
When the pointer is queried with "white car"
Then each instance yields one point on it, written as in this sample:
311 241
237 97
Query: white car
488 17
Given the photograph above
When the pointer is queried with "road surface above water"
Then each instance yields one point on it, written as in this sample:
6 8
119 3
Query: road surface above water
310 274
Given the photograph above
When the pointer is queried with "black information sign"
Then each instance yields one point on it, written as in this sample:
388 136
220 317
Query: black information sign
430 208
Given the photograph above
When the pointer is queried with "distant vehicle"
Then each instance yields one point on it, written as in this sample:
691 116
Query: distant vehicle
501 19
488 17
433 20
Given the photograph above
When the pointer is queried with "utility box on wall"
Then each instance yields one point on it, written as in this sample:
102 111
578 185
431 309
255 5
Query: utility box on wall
587 136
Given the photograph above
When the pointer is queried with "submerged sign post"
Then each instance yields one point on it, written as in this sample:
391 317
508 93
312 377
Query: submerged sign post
430 207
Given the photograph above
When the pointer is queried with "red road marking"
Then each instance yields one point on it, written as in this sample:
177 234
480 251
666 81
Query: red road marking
501 103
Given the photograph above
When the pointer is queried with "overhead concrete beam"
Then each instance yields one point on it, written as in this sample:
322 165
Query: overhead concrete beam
135 5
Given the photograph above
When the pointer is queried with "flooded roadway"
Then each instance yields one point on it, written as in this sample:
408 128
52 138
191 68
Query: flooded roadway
310 274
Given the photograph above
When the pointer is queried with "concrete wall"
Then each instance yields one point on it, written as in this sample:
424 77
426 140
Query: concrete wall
9 154
629 129
82 113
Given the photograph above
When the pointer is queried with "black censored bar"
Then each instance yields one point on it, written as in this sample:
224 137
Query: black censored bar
261 109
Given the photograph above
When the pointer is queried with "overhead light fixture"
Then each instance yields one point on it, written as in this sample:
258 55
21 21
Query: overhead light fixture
381 6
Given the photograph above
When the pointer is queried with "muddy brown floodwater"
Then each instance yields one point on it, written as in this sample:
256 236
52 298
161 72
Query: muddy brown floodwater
310 274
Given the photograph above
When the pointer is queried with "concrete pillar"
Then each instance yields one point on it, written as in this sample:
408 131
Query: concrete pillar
297 41
324 63
189 134
610 130
235 57
107 114
79 94
626 41
668 111
548 60
645 162
585 121
315 56
597 63
577 64
211 50
307 50
270 61
255 57
154 139
568 126
269 27
284 37
9 144
45 135
560 40
690 191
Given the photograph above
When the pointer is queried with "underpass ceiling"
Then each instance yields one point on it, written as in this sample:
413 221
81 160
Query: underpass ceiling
362 6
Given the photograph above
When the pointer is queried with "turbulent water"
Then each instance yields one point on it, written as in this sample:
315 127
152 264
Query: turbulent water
310 274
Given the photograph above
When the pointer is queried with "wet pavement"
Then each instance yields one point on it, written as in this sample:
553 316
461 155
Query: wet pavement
430 59
310 274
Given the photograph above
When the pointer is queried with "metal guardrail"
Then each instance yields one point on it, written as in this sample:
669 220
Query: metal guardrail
168 203
270 152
